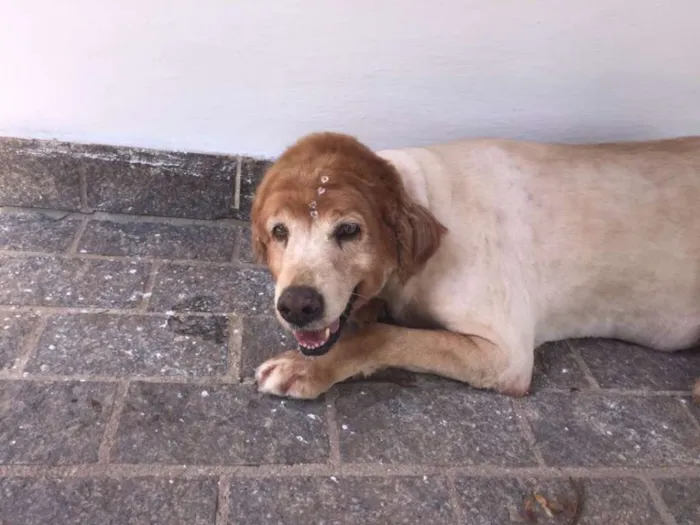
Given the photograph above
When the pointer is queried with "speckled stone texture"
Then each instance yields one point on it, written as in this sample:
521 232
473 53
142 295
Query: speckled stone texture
128 346
151 500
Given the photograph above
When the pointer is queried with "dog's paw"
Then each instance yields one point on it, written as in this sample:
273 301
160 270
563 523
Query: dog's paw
292 375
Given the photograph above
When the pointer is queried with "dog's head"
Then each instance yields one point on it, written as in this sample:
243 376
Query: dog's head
333 222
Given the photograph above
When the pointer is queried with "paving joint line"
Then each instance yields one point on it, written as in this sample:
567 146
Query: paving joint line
73 248
583 366
149 286
129 218
334 456
110 434
223 500
129 259
356 470
526 430
29 348
234 348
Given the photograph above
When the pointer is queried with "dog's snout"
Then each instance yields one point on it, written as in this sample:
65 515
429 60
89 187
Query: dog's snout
300 305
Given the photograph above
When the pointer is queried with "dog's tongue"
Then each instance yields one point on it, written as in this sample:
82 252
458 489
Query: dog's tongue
311 338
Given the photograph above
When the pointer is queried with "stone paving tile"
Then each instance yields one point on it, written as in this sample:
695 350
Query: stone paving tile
52 423
616 364
37 231
218 289
263 338
14 329
340 501
119 345
555 367
252 172
48 281
152 501
605 502
32 175
682 497
218 425
152 239
183 185
607 430
444 425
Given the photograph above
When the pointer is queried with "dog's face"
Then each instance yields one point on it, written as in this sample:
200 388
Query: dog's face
333 222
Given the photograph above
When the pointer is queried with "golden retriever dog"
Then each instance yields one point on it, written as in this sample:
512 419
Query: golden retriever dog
480 250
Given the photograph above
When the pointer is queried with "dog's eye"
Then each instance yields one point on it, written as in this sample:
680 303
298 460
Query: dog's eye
347 231
280 233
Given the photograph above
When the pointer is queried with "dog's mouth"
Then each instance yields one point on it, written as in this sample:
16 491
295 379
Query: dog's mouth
319 342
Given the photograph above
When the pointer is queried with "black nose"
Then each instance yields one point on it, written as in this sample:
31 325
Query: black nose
300 305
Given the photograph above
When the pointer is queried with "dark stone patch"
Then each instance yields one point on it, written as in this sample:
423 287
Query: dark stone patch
605 430
71 501
342 500
48 281
616 364
219 289
167 241
213 328
53 423
37 231
218 425
438 425
120 345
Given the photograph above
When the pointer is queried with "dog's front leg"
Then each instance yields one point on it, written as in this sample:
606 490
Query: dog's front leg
470 359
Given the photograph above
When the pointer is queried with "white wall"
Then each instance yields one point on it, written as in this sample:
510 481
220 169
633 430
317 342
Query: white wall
249 76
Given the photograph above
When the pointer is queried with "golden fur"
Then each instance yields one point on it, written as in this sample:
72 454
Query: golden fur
482 250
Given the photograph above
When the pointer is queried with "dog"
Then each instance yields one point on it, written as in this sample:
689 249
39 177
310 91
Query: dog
480 250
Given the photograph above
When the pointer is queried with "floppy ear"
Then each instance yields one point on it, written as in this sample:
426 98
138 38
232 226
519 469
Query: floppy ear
418 236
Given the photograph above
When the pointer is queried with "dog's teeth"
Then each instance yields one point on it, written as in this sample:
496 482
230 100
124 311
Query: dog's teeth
328 332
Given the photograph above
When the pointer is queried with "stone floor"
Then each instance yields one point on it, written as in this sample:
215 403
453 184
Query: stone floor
127 347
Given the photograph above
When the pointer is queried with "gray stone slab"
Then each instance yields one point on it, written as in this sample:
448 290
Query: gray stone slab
682 497
218 289
340 501
218 425
616 364
555 367
263 338
120 345
66 501
596 430
441 425
152 239
142 182
53 423
15 327
32 174
604 502
48 281
37 231
252 172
